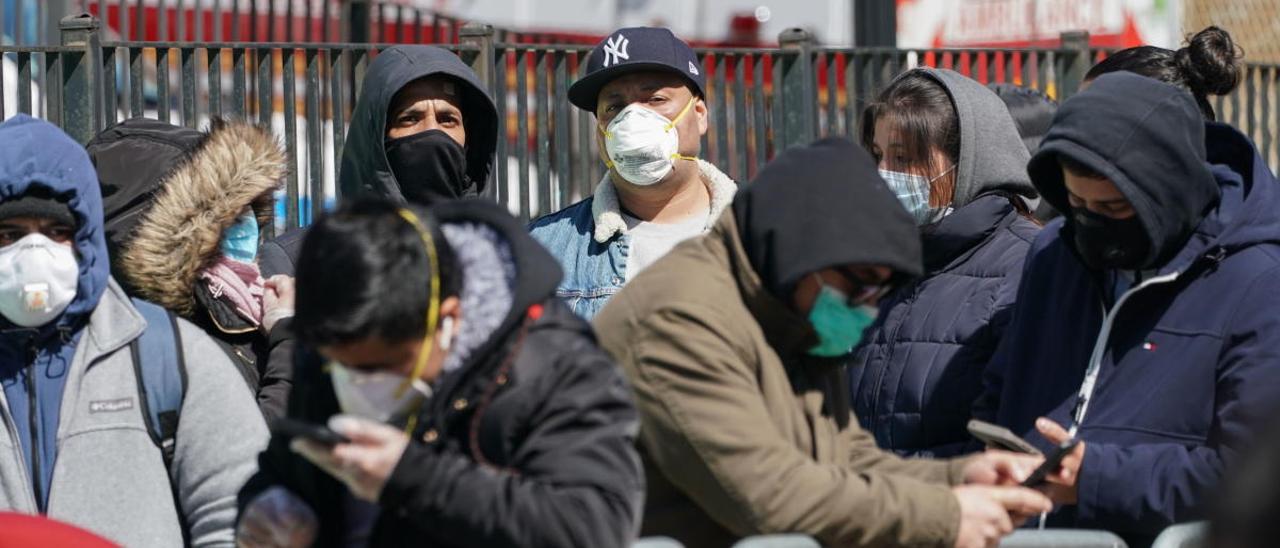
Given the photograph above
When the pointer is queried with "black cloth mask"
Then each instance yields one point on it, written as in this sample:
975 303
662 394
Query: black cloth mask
1106 243
429 166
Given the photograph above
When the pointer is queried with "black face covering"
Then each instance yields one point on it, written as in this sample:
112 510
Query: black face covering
1106 243
430 166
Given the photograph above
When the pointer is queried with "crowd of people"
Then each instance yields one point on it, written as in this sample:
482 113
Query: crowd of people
679 357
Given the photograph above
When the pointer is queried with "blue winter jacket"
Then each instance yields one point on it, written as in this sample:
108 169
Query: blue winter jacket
914 378
34 153
1189 357
590 241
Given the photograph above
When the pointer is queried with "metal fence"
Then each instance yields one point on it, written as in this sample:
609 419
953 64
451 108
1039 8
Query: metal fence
760 100
289 21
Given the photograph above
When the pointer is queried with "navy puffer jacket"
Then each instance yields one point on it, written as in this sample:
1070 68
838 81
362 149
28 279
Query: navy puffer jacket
1187 360
920 365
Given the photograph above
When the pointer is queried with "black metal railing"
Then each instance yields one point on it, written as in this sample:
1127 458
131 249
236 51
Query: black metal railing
288 21
760 100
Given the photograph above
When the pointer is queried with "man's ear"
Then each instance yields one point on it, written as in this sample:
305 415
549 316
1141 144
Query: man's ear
451 306
703 115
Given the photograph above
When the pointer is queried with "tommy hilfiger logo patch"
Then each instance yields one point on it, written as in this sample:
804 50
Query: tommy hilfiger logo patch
111 406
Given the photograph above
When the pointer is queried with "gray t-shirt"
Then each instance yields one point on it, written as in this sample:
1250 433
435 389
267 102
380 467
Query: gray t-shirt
650 241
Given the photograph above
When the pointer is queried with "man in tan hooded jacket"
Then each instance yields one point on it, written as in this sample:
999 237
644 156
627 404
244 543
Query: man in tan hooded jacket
743 430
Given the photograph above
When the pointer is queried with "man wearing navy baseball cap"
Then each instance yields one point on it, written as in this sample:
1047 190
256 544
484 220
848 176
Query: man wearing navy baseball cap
646 88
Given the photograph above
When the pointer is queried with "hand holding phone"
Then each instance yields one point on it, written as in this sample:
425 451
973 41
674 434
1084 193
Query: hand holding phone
1050 464
292 428
1000 437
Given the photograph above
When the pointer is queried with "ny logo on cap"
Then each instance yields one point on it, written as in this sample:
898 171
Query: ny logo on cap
615 49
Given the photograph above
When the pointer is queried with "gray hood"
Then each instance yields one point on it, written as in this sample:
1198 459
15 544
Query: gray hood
488 286
992 155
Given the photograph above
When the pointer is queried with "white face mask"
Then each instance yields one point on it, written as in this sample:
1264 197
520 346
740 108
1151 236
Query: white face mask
642 145
913 191
38 280
377 395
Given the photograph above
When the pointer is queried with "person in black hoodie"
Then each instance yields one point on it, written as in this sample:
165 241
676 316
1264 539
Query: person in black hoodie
481 411
424 129
183 211
1146 321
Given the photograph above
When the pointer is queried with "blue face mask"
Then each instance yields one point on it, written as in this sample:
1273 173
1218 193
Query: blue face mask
913 191
839 325
240 240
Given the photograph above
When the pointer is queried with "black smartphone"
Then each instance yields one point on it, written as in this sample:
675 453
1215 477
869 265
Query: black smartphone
291 428
1050 464
1000 437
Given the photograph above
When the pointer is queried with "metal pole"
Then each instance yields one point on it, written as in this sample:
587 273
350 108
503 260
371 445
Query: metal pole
1075 50
799 88
82 76
358 21
483 62
875 23
481 36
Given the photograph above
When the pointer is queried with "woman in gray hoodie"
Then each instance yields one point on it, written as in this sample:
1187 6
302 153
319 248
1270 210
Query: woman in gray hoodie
949 149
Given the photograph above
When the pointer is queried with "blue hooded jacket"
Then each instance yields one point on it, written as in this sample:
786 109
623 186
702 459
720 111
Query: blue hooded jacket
1188 359
34 361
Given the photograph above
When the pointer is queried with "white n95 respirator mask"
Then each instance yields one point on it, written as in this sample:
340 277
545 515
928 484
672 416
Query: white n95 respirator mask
642 145
377 395
37 280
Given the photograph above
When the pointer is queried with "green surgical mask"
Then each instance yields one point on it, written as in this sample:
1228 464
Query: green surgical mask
839 325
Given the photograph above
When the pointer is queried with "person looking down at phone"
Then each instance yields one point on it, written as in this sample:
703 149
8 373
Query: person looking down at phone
1146 321
736 344
477 409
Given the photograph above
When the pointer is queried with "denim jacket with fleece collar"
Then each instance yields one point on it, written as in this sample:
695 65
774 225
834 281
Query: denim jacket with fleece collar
591 242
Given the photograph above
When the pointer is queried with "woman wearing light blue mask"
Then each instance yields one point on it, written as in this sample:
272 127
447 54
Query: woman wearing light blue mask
185 211
949 150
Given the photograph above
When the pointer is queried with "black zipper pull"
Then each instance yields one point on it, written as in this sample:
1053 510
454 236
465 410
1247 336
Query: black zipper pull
1216 257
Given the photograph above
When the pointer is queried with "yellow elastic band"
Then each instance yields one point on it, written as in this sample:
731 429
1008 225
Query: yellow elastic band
608 164
683 112
433 303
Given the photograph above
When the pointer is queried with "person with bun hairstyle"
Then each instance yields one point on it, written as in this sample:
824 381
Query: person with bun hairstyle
1208 65
1145 323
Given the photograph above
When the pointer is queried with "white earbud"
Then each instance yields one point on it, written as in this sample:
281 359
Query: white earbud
446 333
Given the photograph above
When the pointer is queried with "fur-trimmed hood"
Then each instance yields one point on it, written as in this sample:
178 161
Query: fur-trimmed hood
171 192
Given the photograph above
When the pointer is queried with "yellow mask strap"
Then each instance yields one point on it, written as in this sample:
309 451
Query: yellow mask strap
608 164
433 303
687 107
683 112
604 155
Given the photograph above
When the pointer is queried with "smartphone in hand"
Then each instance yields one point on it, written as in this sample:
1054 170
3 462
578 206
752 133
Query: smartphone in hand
1051 464
291 428
1000 437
